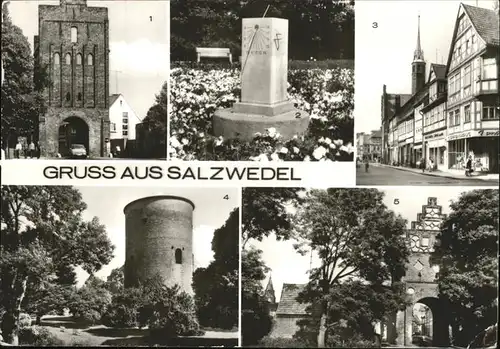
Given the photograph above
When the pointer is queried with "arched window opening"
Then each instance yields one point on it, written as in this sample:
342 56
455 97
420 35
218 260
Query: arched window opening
178 256
90 59
79 59
68 59
74 34
57 59
79 96
68 96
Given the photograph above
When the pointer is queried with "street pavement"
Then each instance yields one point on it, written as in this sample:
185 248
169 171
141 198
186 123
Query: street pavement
388 175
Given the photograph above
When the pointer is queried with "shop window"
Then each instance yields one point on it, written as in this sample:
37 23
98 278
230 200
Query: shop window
57 59
467 113
178 256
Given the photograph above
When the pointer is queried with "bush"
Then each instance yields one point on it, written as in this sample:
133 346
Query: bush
166 311
24 320
255 324
38 336
326 94
124 309
268 342
91 316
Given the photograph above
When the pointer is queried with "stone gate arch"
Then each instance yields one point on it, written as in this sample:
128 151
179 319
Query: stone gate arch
73 130
420 279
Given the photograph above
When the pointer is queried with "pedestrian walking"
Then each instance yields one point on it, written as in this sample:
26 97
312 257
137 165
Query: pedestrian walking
468 167
38 150
31 150
367 164
18 149
422 164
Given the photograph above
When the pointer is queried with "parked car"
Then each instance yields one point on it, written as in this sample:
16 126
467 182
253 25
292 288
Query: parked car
77 151
487 338
421 340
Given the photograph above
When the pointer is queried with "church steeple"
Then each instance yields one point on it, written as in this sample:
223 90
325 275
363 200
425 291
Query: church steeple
418 55
269 293
418 65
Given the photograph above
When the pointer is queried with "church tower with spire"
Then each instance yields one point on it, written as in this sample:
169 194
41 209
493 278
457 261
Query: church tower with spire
270 297
418 66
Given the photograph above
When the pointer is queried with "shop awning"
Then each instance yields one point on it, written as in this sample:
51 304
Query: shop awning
418 146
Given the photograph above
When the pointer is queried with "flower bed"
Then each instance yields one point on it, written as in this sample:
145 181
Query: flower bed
326 94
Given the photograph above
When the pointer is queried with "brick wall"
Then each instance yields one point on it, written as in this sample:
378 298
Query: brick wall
285 326
155 228
79 88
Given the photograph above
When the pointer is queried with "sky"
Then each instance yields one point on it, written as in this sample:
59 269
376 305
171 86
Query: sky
107 203
139 45
384 54
288 266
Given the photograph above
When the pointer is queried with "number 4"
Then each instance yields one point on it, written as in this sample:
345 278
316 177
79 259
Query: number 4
226 197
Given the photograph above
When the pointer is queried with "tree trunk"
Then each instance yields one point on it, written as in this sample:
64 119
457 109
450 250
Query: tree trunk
10 320
38 319
322 330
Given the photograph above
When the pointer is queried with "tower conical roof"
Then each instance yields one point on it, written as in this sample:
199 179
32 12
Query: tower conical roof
418 55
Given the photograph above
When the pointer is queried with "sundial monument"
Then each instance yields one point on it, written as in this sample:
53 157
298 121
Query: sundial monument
264 100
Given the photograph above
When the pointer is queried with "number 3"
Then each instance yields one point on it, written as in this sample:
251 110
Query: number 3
374 25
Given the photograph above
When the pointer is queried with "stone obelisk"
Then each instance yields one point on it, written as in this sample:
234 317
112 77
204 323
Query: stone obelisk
264 100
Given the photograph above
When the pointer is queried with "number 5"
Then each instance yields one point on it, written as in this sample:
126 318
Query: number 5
396 201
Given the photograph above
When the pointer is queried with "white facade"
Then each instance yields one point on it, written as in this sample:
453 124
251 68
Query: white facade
122 119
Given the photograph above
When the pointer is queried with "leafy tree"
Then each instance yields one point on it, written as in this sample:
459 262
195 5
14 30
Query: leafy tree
467 257
355 237
156 122
90 301
24 81
116 279
255 319
265 212
318 28
45 298
216 287
42 234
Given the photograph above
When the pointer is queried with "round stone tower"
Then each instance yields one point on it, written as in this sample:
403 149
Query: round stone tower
159 240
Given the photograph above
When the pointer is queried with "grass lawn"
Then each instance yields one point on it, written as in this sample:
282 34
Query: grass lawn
80 334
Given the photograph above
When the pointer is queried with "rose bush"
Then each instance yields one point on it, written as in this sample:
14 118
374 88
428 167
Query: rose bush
326 94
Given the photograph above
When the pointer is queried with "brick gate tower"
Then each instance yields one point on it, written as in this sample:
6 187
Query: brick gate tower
73 46
420 277
159 240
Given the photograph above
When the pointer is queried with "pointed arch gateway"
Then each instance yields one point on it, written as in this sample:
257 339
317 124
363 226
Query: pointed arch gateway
73 130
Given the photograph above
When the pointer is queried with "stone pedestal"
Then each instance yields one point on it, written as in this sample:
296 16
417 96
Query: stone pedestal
264 100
